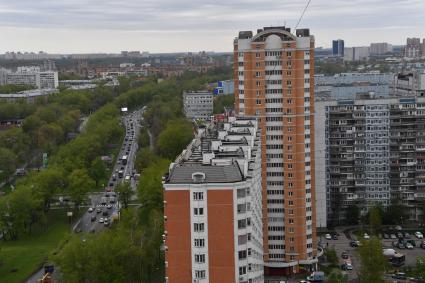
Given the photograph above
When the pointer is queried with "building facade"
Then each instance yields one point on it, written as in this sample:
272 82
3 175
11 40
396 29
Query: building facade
372 152
413 48
356 53
380 48
198 104
338 48
408 84
213 207
274 81
31 76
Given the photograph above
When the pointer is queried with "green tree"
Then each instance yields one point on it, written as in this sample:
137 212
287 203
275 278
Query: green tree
394 213
124 193
98 171
80 184
174 138
331 257
353 214
373 262
144 158
144 140
336 276
7 163
420 267
375 219
222 101
48 183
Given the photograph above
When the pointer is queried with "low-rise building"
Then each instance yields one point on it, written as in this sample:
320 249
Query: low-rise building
213 207
198 104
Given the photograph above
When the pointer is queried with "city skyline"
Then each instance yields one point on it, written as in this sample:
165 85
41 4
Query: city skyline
76 26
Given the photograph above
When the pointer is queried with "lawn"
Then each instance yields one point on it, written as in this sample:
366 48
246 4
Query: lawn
26 255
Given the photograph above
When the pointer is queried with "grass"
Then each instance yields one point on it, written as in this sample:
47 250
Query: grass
27 254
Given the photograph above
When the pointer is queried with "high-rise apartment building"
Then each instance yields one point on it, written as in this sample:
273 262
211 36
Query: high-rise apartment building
356 53
408 84
413 48
338 47
213 207
370 151
274 81
380 48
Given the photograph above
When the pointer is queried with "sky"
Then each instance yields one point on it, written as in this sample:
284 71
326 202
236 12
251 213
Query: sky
88 26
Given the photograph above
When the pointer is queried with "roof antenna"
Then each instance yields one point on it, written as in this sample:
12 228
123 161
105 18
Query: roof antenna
302 14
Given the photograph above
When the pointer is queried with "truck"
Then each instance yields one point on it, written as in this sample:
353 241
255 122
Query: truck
316 276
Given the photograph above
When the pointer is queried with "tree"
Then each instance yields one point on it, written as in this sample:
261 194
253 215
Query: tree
353 214
97 170
174 138
79 184
394 213
375 219
124 193
48 183
336 276
7 163
420 267
373 262
332 257
222 101
144 158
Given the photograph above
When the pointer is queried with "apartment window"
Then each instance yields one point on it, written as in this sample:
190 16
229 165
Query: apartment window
199 243
290 166
200 258
258 64
257 74
242 255
200 274
198 227
257 55
257 93
242 270
198 211
257 83
290 156
242 224
258 101
291 221
198 195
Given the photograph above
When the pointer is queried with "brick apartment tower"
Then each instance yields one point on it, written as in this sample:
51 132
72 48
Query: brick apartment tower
274 80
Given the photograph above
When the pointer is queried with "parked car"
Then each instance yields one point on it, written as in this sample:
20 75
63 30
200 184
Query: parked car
399 235
334 237
406 235
93 218
386 236
354 244
344 255
90 210
419 235
328 237
401 246
399 275
422 245
409 246
98 210
100 220
393 236
366 236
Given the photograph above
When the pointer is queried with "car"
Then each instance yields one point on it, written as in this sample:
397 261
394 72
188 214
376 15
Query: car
109 206
303 281
112 200
366 236
401 246
334 237
399 275
385 236
106 223
98 210
347 266
409 246
393 236
422 245
354 244
398 228
395 244
93 218
101 220
90 210
114 177
406 235
344 255
399 235
111 184
328 237
419 235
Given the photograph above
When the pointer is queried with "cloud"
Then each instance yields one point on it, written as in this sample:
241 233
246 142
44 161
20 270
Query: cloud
206 17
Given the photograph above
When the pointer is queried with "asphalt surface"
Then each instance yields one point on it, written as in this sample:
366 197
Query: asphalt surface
101 202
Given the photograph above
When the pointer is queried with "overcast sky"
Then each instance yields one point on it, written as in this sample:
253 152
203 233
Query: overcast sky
78 26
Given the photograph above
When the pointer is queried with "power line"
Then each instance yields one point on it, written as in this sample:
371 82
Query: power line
302 15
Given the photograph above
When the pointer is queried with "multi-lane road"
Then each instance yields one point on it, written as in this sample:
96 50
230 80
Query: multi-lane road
106 204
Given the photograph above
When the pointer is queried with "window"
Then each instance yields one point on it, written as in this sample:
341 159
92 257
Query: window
198 227
198 195
199 243
200 258
242 254
241 223
198 211
200 274
242 270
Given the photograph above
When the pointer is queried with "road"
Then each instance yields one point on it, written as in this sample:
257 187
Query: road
106 205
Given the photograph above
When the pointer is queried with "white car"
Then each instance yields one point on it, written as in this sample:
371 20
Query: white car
409 246
101 220
419 235
366 236
90 210
328 237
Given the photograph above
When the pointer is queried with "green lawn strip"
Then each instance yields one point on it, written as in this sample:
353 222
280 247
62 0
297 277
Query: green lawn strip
27 254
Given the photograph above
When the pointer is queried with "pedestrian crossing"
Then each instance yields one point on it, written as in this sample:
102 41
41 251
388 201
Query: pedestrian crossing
114 205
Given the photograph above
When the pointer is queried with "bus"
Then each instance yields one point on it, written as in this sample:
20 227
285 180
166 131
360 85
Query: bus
124 160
